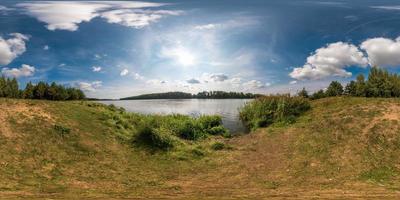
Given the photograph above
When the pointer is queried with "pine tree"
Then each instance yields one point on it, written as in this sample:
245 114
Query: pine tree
334 89
350 89
28 92
303 93
360 86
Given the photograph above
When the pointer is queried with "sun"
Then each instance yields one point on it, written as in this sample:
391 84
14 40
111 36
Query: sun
184 57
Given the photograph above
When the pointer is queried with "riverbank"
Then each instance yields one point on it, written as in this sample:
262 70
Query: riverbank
341 148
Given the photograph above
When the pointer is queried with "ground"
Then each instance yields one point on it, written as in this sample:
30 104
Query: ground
343 148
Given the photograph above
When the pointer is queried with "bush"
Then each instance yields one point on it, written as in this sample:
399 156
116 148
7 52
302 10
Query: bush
62 130
264 111
218 146
217 130
148 135
210 121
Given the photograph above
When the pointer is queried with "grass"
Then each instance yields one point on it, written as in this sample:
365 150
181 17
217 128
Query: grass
340 148
267 110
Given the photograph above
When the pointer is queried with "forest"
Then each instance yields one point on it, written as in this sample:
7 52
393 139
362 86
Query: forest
380 83
200 95
9 88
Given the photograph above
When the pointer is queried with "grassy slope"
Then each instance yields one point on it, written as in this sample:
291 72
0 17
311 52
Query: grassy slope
342 147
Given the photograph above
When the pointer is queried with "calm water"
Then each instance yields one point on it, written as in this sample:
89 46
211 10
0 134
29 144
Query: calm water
227 108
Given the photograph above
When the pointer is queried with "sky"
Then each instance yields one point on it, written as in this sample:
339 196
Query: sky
114 49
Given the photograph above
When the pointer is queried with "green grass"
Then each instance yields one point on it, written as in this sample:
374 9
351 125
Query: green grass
267 110
76 150
85 150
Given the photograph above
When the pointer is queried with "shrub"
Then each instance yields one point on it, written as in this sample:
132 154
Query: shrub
210 121
62 130
217 130
217 146
148 135
264 111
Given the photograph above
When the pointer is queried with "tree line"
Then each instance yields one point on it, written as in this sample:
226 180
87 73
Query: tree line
9 88
380 83
200 95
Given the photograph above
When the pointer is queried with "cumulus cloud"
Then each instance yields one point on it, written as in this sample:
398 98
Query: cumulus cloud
124 72
253 84
330 61
89 86
12 47
218 77
193 81
137 18
46 47
96 68
137 76
67 15
382 52
23 71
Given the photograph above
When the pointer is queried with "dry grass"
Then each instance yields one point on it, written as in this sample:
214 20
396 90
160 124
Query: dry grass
343 148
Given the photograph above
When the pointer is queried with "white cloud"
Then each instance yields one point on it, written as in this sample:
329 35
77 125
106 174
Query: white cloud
330 61
193 81
156 82
292 82
23 71
136 18
4 8
253 84
207 26
138 76
396 7
46 47
67 15
124 72
96 68
89 87
12 47
62 65
218 77
382 52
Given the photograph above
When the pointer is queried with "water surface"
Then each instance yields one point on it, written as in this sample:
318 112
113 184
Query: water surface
228 109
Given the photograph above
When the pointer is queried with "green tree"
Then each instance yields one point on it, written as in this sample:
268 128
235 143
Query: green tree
334 89
318 95
40 90
351 89
28 91
360 86
303 93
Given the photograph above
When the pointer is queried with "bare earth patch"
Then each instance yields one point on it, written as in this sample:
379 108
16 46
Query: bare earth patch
24 111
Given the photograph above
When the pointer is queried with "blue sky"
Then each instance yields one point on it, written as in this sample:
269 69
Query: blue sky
113 49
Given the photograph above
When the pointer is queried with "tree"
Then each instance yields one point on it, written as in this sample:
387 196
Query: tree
334 89
303 93
40 90
350 89
28 92
360 86
318 95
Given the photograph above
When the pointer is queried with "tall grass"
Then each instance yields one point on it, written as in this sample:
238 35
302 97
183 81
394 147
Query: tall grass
266 110
161 131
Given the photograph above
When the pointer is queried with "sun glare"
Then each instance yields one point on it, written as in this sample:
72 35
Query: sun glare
185 58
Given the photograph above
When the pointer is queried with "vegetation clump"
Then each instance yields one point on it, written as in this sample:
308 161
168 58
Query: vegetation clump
380 83
270 109
162 132
9 88
62 130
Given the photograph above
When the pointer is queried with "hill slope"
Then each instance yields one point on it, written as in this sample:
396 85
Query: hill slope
342 147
